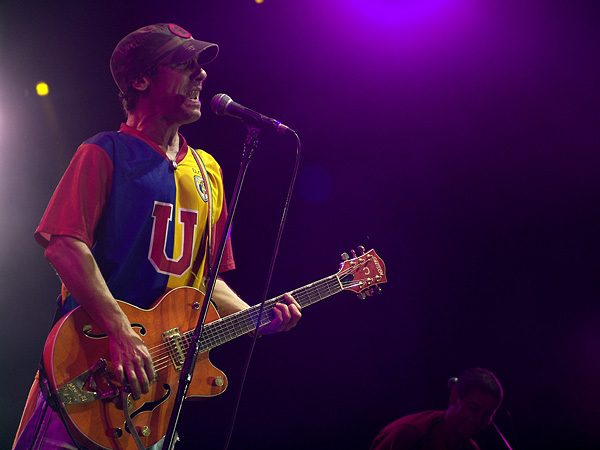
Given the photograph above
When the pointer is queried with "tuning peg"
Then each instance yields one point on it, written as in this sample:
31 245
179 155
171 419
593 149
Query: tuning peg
361 250
345 256
353 253
373 290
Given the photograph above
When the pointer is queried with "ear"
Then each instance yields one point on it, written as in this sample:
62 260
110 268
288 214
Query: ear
141 83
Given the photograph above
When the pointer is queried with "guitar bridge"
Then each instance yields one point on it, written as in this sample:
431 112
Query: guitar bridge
176 345
93 384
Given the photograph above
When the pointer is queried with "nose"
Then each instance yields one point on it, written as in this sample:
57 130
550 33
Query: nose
198 73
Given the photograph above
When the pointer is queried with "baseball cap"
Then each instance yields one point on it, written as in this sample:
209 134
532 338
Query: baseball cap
161 43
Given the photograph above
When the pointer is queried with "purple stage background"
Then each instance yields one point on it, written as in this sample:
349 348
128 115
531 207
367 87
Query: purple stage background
458 138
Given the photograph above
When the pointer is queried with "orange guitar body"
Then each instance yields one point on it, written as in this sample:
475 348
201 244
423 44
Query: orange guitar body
92 398
77 359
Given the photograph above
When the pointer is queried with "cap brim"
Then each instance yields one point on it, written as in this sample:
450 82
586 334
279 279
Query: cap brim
207 52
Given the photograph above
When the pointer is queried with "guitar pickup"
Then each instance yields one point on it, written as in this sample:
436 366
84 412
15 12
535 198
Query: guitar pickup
176 345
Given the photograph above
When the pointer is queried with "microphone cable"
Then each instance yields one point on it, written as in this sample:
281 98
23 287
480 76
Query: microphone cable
512 426
266 290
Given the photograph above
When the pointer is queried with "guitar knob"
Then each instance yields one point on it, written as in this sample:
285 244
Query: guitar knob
361 295
219 381
361 250
345 256
145 431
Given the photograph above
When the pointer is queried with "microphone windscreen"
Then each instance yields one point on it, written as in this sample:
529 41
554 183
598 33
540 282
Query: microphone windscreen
219 103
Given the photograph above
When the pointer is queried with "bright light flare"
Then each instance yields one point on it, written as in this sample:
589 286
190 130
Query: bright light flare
42 89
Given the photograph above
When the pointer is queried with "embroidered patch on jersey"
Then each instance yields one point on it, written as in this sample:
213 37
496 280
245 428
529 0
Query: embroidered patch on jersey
201 187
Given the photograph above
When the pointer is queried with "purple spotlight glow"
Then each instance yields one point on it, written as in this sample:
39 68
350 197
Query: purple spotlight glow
385 32
398 12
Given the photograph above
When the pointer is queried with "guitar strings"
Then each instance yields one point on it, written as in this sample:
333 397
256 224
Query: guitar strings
164 354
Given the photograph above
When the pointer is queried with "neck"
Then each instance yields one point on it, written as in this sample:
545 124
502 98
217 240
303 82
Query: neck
162 134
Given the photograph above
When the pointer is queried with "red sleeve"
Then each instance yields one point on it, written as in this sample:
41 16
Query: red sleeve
78 201
396 437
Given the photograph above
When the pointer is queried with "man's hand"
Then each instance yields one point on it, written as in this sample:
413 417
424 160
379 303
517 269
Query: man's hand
131 361
286 317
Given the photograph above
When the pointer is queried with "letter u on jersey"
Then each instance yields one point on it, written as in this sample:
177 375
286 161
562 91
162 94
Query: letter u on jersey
184 232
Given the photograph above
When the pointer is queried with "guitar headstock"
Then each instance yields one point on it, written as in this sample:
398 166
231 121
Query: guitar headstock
363 273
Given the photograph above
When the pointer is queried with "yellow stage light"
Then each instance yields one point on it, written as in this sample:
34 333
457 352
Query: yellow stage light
42 89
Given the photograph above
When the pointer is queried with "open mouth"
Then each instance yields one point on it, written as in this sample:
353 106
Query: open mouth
193 95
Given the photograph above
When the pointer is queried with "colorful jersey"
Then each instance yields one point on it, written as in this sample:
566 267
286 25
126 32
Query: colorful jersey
143 220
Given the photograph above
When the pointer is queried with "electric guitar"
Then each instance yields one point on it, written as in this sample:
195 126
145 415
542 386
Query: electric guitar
100 412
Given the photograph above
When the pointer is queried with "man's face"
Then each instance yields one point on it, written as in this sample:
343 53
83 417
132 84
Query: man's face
175 91
472 413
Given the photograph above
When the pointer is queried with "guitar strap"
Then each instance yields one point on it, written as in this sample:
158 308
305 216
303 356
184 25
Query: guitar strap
207 236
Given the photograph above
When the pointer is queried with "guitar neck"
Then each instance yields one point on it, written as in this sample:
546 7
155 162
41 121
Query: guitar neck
235 325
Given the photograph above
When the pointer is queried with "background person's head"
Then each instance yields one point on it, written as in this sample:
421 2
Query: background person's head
474 399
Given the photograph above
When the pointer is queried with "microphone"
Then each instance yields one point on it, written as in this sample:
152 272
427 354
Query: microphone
223 105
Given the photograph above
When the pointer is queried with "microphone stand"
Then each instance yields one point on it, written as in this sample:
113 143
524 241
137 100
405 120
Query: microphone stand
250 144
502 436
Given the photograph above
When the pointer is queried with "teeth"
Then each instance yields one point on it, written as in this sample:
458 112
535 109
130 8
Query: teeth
193 95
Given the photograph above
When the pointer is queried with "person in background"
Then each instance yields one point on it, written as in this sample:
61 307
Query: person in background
475 396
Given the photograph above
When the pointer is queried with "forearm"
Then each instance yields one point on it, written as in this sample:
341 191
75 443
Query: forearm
226 299
76 267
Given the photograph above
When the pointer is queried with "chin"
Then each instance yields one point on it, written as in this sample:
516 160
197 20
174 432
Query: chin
467 434
191 118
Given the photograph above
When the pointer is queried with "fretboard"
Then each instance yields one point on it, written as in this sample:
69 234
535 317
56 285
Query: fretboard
230 327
